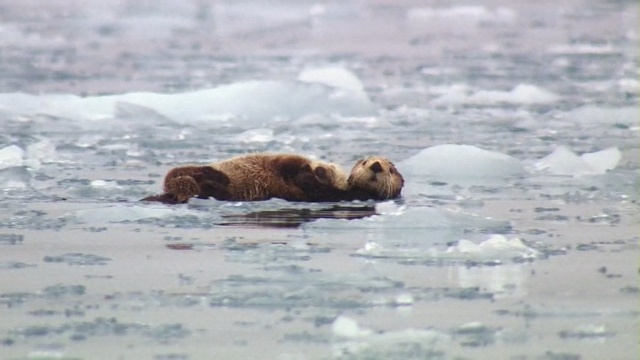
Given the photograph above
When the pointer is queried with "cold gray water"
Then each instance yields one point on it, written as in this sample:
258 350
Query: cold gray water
514 123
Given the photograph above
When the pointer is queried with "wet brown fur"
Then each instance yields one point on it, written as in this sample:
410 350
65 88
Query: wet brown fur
287 176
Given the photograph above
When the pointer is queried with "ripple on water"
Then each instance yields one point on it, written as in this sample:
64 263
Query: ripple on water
77 259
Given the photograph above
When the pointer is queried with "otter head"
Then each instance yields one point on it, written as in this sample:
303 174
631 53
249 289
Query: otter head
378 176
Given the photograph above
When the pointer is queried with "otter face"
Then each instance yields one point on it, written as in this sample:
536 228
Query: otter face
377 175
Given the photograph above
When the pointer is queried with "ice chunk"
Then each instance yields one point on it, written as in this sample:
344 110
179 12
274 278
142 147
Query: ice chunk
591 114
354 342
11 155
629 86
14 177
347 327
603 160
495 250
255 135
255 100
452 162
583 49
497 246
467 14
404 299
333 76
521 94
565 162
42 151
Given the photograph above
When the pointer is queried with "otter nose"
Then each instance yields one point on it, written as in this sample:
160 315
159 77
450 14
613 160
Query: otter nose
376 167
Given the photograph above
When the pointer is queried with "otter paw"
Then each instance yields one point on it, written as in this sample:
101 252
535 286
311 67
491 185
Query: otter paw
214 175
163 198
213 189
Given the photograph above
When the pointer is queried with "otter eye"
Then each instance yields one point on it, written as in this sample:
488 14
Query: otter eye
392 171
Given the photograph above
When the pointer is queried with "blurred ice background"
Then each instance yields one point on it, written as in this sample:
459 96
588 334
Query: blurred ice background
481 105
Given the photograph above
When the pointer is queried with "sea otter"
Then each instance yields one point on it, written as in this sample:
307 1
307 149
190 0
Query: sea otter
287 176
372 178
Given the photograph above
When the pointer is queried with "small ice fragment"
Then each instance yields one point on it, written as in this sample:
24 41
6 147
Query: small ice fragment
521 94
255 135
370 248
333 76
103 184
501 242
389 208
630 86
11 155
470 15
405 299
464 246
347 327
496 247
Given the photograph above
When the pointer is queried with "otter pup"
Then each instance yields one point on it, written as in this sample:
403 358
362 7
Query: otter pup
286 176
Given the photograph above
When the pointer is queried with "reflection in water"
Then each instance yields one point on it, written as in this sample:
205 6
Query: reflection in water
505 281
293 218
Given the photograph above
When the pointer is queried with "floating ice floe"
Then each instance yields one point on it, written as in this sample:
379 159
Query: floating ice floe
591 114
630 86
467 14
495 250
583 49
523 94
352 339
253 100
565 162
254 136
14 177
11 155
419 226
336 77
123 213
348 327
452 162
15 162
